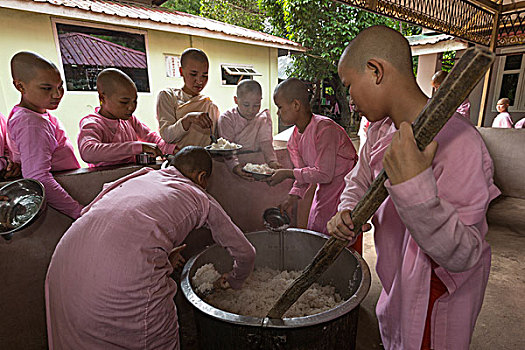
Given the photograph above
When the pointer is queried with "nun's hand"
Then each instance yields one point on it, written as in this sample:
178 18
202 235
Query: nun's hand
279 176
403 160
175 258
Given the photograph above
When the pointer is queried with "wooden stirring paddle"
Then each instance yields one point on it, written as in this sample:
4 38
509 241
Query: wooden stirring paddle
452 92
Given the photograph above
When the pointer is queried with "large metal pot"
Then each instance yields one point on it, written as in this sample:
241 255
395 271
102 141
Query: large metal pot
291 250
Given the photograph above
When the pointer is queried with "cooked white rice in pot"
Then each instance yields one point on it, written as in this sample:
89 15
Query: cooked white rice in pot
260 292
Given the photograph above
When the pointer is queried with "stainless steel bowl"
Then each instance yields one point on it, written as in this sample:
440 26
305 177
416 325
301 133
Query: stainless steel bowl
24 204
223 152
145 158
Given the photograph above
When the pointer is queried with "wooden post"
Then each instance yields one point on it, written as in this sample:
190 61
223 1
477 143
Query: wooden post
486 80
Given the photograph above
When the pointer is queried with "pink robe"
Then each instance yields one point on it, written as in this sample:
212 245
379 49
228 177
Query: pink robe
4 150
103 141
254 135
39 143
520 124
108 285
464 109
440 215
322 155
503 120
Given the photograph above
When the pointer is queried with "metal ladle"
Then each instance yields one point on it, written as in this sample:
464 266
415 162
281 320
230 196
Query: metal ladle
277 221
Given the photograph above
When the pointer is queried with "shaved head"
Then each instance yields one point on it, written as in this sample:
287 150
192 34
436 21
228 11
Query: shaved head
504 101
192 159
293 89
247 87
24 65
378 42
439 77
110 78
193 54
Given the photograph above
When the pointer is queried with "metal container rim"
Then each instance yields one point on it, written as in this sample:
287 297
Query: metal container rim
42 204
294 322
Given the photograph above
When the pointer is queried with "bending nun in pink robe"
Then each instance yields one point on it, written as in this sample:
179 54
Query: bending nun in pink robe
437 215
103 141
322 155
254 135
108 285
39 143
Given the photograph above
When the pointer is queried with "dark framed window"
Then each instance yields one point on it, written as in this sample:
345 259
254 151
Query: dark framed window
86 51
510 79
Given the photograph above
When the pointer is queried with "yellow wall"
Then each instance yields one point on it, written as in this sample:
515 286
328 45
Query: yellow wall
34 32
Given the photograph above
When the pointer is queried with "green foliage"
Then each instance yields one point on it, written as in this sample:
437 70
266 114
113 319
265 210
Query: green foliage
325 27
188 6
448 59
243 13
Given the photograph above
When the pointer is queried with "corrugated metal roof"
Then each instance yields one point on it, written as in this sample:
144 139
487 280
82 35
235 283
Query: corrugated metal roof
83 49
425 39
163 15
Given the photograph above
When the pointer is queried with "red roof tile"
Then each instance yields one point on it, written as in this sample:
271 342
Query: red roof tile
83 49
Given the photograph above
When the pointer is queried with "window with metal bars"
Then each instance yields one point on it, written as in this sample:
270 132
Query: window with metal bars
510 79
233 74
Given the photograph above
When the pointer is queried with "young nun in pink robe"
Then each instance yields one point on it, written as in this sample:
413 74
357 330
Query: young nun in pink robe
37 139
245 126
320 150
108 285
429 233
503 119
113 135
186 117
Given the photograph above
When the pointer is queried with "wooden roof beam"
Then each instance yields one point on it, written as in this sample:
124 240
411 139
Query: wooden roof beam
487 4
512 7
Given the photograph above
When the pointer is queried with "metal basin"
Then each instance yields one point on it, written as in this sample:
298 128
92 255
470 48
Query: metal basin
291 250
25 203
